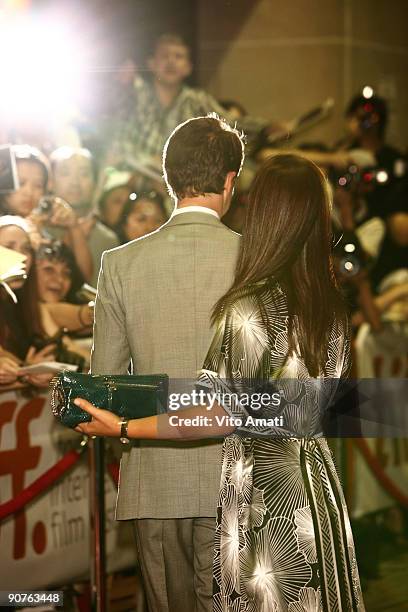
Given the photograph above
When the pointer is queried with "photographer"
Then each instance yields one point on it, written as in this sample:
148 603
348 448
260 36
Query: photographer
366 123
387 273
351 270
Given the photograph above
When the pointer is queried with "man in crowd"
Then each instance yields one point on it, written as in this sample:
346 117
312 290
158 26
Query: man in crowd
153 108
153 308
74 181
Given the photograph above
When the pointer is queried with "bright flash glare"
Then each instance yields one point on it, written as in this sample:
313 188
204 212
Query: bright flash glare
349 266
368 92
382 176
40 67
350 247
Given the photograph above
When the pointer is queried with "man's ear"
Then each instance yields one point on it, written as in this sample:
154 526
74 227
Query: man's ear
229 182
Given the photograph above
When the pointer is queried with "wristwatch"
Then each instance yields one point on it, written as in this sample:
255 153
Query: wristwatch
124 432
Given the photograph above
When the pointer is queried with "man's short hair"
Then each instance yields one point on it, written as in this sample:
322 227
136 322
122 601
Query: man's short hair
199 154
65 153
169 39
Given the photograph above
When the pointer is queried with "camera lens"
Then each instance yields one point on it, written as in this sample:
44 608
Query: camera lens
45 205
350 265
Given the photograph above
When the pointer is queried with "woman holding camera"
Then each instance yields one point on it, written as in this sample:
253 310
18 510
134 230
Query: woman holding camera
49 214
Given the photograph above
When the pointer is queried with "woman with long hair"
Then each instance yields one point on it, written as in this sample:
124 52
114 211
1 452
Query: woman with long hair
28 332
21 322
283 538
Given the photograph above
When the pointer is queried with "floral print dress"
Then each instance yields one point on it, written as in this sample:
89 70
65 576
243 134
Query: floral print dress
283 539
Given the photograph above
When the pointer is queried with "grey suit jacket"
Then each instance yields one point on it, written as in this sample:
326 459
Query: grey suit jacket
155 297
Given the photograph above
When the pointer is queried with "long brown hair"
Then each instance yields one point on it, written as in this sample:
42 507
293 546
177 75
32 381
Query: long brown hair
16 335
287 237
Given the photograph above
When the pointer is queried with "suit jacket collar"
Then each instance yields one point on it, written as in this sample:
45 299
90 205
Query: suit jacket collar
192 218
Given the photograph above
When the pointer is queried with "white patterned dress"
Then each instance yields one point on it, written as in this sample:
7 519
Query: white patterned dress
283 539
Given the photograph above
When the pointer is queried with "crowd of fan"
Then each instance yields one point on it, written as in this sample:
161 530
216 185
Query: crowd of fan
63 238
73 204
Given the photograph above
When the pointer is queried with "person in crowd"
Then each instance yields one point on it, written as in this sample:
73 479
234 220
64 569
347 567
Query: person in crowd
366 123
56 219
28 332
392 299
141 215
115 193
58 276
353 252
264 327
393 254
59 282
364 146
33 175
234 109
74 181
21 322
154 107
74 177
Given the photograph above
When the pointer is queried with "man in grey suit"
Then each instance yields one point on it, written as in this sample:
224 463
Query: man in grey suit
153 309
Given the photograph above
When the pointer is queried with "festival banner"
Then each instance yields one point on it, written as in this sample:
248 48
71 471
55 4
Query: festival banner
47 542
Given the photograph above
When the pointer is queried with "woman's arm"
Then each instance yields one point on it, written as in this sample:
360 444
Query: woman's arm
393 294
77 241
170 426
71 316
384 301
64 216
338 159
209 423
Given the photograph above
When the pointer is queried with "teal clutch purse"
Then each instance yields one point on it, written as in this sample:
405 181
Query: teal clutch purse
128 396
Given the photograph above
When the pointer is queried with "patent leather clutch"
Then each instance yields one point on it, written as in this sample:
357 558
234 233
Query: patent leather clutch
128 396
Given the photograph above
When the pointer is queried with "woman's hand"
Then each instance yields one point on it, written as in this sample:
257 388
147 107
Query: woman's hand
104 423
41 381
45 354
8 370
63 215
